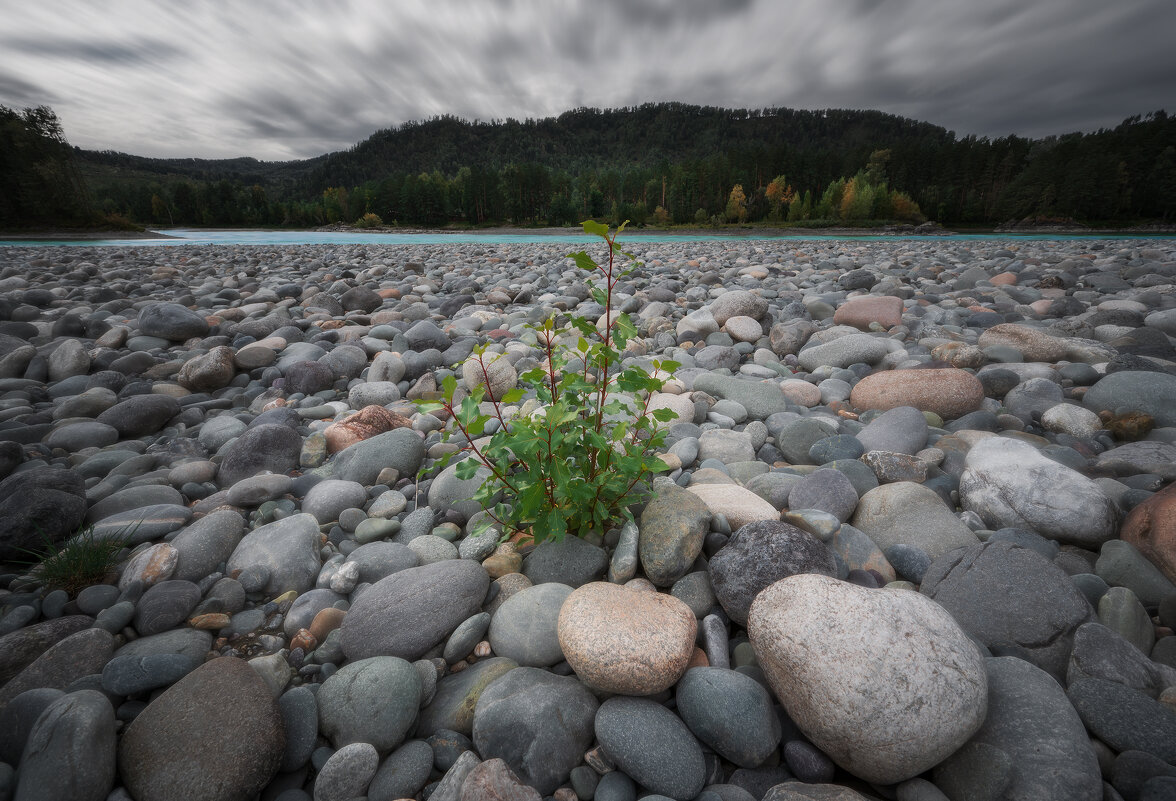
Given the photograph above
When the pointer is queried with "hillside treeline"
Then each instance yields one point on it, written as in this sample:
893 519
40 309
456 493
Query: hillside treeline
663 164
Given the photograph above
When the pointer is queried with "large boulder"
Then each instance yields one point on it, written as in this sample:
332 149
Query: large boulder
177 747
1011 598
38 507
1033 724
883 681
1011 484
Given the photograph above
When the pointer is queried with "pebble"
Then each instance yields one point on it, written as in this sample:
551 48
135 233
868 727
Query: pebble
245 407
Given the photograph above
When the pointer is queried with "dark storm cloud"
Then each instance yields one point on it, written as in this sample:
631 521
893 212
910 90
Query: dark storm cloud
18 93
137 52
281 80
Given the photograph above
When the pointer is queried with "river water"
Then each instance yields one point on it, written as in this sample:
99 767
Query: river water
183 236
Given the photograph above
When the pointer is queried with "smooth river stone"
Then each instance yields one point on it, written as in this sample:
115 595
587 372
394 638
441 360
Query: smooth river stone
1011 484
883 681
740 506
1034 344
1135 390
623 640
410 611
886 310
1031 720
910 514
215 735
949 392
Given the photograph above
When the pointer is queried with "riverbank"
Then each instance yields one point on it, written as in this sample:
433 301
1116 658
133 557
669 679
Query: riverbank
914 526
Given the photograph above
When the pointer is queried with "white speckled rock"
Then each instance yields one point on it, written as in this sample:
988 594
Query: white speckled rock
883 681
1010 483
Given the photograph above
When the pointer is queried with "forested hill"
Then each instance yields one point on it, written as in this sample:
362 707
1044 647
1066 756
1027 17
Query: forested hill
645 136
664 163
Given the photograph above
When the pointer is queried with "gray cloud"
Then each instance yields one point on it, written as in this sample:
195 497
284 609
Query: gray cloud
280 80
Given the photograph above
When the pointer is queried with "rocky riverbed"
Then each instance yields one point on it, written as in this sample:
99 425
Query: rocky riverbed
916 537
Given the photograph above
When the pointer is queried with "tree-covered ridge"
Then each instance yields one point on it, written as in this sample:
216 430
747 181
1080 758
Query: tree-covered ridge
666 163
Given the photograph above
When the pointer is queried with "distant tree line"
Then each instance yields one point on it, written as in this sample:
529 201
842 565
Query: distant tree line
662 164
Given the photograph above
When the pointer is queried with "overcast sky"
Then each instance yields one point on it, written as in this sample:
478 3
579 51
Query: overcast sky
291 78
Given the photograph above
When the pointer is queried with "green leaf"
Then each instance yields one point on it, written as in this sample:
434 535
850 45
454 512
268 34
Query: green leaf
664 415
595 228
584 261
512 396
449 386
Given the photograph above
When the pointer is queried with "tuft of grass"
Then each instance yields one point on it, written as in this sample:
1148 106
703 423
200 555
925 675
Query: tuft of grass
80 561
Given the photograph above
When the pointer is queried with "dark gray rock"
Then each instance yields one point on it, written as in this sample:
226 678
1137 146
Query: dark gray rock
1148 392
38 505
652 745
403 773
730 713
673 525
288 549
826 489
760 554
299 711
379 560
171 321
1102 654
165 605
70 750
412 610
1012 599
206 543
308 377
131 675
19 648
271 447
347 713
456 698
524 627
140 414
77 655
899 430
17 719
1032 722
540 724
401 449
177 748
570 561
1125 719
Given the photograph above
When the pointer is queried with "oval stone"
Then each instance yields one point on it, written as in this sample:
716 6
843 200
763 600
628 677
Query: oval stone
949 392
623 640
883 681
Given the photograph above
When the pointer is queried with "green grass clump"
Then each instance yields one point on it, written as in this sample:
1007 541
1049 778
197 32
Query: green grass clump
80 561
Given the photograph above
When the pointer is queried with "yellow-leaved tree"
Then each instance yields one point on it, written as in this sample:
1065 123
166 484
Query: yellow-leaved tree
737 205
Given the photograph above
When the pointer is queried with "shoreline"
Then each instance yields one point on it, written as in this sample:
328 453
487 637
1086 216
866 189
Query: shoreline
66 235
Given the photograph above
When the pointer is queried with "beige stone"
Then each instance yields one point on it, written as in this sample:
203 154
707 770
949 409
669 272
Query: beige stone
739 505
626 641
949 392
1035 345
861 311
883 681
